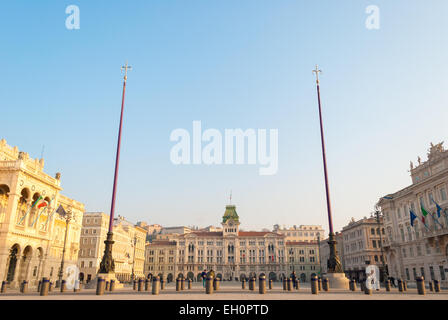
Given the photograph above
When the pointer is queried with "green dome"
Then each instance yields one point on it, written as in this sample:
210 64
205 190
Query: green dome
230 214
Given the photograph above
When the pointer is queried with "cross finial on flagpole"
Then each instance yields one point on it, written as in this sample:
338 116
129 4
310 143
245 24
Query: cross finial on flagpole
126 67
317 71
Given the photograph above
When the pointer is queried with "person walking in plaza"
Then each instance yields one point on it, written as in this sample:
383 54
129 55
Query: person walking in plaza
293 278
204 277
212 273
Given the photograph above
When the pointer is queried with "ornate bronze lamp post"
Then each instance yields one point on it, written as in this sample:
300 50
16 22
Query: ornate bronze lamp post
334 264
133 260
383 265
67 217
107 265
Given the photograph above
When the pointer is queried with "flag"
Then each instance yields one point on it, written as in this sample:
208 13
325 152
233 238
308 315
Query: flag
439 208
413 217
35 202
424 212
61 211
42 204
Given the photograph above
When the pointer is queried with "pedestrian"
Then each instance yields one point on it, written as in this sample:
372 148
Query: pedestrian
293 277
212 273
204 277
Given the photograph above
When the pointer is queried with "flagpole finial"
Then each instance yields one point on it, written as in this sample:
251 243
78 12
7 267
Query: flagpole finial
126 67
317 71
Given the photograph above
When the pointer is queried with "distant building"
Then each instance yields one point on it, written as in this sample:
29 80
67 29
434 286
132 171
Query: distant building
127 240
362 246
231 253
302 233
303 259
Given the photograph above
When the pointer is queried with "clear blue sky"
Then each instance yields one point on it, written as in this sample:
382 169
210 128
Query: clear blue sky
230 64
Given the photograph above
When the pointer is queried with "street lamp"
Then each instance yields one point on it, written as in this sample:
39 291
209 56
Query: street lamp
133 259
318 248
383 267
67 217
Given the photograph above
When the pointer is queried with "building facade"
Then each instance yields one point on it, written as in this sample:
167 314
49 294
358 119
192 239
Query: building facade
303 259
231 253
362 246
302 233
32 233
128 249
420 249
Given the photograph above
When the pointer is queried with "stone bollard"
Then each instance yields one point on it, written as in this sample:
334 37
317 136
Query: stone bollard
243 284
431 286
112 285
24 288
63 286
262 284
178 284
38 285
350 284
354 285
400 285
100 285
135 285
44 287
319 283
387 283
297 284
190 283
216 283
284 284
367 290
326 284
270 284
106 288
420 285
156 285
3 287
182 284
209 285
314 285
162 283
289 284
436 286
146 284
76 287
252 284
140 285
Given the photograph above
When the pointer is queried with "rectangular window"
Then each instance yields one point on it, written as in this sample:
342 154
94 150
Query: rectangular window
407 274
443 193
442 273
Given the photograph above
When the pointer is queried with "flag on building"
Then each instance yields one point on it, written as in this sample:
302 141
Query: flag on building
413 217
61 211
439 208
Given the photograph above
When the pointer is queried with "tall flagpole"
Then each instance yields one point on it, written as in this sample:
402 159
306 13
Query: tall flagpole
334 264
107 264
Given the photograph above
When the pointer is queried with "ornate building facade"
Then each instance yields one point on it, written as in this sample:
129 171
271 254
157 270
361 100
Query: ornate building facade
421 249
231 253
32 237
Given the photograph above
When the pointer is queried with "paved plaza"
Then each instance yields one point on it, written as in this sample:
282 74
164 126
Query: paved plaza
228 291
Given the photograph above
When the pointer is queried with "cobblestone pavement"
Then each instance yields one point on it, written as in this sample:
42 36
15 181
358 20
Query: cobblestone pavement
227 291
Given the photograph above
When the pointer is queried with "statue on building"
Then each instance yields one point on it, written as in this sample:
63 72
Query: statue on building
435 149
419 160
412 165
